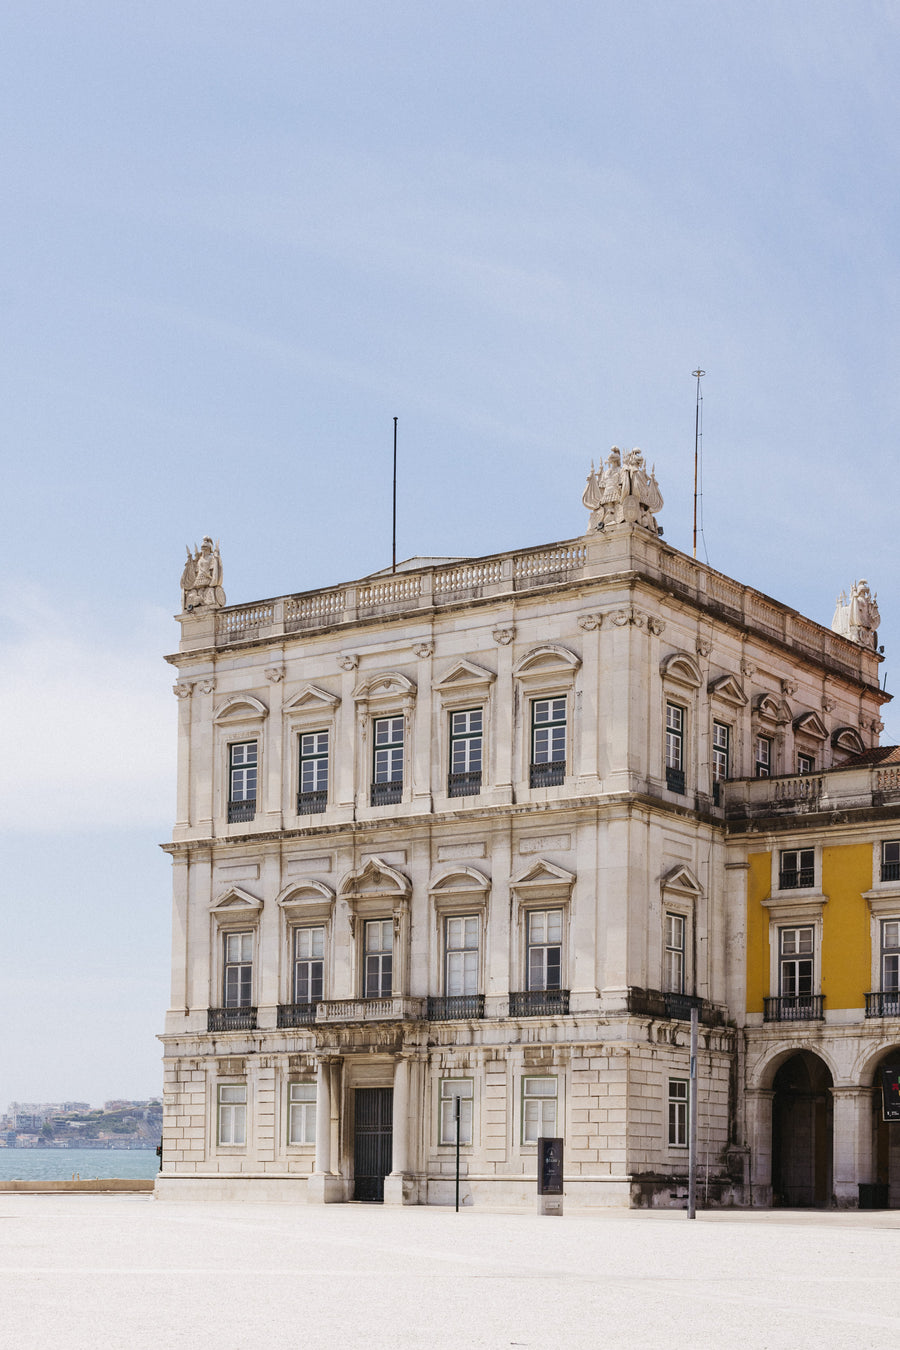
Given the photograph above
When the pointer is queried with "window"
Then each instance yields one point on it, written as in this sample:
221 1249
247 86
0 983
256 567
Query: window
242 765
453 1090
461 956
721 752
805 763
890 956
378 958
674 747
796 962
387 775
466 739
544 954
797 868
309 964
678 1112
674 971
302 1113
238 982
313 794
763 756
538 1109
232 1113
890 860
548 741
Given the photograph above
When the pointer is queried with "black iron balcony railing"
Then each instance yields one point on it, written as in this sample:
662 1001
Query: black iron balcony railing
801 877
548 775
464 784
238 811
297 1014
883 1004
675 780
231 1019
678 1006
890 871
538 1002
311 803
385 794
455 1007
794 1008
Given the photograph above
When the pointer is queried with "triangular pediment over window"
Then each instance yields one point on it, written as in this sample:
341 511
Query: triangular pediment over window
681 878
547 659
729 689
234 902
240 708
811 724
312 699
541 873
848 738
464 674
682 668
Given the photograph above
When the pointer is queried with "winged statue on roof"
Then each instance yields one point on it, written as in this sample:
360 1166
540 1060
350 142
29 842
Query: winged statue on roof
623 492
201 580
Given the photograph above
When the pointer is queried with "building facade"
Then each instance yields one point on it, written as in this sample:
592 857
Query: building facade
458 844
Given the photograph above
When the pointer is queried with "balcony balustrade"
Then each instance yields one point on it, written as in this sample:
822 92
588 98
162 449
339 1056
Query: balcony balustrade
297 1014
455 1007
675 780
397 1008
538 1002
799 879
548 775
386 794
464 784
240 811
883 1004
794 1008
311 803
231 1019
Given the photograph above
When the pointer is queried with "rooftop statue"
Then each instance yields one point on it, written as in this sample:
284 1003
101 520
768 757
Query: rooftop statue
858 618
622 492
201 580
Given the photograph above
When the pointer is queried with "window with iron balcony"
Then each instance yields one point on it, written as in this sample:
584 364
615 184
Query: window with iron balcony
387 766
548 742
242 774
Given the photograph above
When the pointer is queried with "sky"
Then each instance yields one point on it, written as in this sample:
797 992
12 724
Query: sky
238 240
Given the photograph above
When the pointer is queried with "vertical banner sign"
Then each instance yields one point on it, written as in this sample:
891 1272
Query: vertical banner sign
550 1166
890 1093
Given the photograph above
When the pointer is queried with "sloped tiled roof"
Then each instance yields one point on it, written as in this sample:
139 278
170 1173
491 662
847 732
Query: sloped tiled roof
879 754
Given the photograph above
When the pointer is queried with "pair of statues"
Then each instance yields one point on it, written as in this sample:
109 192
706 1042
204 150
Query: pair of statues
201 580
622 492
856 617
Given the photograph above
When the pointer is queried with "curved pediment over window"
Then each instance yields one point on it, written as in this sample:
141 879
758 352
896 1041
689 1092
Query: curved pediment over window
811 724
386 684
305 891
681 668
550 658
240 708
375 878
459 886
312 699
769 709
728 688
234 902
849 739
464 675
681 878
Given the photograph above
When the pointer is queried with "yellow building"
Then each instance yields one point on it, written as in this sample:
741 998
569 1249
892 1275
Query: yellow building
813 875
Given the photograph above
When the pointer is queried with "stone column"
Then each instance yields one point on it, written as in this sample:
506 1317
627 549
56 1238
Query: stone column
758 1117
852 1135
398 1189
323 1186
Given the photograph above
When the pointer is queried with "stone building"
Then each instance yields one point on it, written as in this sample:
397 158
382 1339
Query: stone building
457 840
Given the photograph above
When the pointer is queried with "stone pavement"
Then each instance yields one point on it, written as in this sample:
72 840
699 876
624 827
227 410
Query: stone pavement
110 1271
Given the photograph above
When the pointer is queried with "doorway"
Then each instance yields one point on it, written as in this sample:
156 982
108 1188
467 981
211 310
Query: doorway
372 1142
802 1133
886 1171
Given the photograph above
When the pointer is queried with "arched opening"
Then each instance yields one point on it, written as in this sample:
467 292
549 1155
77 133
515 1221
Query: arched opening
802 1131
886 1140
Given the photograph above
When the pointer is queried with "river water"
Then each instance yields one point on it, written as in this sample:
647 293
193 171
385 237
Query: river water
61 1164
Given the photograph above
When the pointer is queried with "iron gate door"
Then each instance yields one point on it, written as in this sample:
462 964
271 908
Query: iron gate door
372 1152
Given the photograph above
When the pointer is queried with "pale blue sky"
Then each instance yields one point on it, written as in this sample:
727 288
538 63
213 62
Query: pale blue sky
239 239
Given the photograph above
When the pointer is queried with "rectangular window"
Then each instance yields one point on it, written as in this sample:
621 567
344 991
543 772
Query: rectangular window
466 743
796 962
548 741
544 954
238 982
538 1109
721 752
805 763
678 1112
674 747
387 767
313 794
378 958
309 964
763 756
890 956
232 1114
461 968
890 860
674 972
302 1113
242 765
797 868
453 1090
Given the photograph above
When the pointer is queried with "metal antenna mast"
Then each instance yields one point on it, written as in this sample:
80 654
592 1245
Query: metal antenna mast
698 375
394 528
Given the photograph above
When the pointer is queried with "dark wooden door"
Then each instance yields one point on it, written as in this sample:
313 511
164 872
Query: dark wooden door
372 1152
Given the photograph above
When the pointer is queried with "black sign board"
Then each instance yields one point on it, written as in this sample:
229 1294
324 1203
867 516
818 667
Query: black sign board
890 1093
550 1167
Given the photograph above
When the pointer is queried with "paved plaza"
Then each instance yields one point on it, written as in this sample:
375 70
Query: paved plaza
129 1271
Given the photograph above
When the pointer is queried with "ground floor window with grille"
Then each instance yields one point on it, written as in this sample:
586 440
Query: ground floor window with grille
232 1113
451 1090
302 1113
678 1112
538 1109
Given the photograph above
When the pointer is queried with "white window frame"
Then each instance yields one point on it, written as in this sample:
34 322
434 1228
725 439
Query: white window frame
763 766
231 1115
547 672
368 924
678 1112
471 970
296 960
248 938
533 1129
466 738
674 916
301 1113
795 957
555 727
722 736
781 870
889 952
448 1091
316 756
806 763
549 944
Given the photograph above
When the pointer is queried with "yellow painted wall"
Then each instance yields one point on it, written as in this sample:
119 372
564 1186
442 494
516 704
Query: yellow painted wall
759 884
846 938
